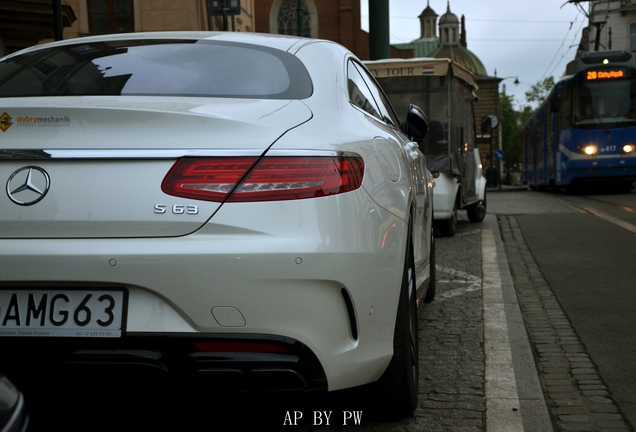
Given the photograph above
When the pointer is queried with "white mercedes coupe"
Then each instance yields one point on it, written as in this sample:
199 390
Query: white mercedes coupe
244 212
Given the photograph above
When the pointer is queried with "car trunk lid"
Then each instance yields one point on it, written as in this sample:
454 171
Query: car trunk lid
93 167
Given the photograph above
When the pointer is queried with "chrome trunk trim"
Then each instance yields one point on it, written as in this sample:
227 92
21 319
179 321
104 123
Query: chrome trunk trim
16 154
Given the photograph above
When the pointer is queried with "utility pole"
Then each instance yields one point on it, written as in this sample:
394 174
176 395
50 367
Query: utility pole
224 15
379 42
599 27
58 26
301 18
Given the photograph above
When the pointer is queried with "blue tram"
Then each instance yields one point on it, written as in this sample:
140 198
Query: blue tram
584 133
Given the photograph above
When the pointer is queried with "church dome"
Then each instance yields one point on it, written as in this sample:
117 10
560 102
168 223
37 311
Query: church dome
428 12
461 55
448 17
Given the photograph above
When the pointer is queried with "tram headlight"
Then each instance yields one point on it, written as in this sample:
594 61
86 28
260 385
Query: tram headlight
589 150
629 148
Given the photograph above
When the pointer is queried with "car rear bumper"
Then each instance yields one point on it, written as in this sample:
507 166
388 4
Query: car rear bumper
333 286
259 363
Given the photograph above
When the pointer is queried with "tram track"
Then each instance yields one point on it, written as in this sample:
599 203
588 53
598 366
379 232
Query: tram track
594 210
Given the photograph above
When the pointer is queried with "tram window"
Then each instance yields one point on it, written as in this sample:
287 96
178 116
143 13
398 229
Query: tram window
586 106
603 103
566 107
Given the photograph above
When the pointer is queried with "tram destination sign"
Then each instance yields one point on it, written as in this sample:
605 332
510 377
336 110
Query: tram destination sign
606 74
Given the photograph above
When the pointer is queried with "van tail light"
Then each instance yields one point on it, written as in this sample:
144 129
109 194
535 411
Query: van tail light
247 179
435 174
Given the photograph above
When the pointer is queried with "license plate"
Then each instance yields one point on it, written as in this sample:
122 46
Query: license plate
61 313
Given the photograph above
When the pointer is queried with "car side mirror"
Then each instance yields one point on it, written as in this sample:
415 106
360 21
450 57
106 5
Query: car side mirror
416 124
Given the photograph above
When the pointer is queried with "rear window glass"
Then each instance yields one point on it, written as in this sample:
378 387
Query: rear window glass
156 68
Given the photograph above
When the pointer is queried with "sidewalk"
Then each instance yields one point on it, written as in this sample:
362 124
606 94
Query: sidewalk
514 398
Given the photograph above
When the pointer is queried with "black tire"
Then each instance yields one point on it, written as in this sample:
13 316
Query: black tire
430 293
477 212
448 227
396 392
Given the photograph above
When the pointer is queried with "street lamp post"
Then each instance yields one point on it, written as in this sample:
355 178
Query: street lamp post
498 133
223 9
58 25
379 45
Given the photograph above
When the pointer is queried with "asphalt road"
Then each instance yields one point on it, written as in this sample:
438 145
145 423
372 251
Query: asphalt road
589 260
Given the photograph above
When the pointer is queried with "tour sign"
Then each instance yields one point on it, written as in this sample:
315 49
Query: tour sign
605 74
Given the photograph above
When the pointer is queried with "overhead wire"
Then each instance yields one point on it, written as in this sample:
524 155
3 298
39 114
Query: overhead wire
570 47
561 46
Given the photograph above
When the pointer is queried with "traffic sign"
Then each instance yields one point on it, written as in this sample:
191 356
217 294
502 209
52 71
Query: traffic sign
499 154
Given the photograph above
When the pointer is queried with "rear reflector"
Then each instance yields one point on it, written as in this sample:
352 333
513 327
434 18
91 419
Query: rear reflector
239 347
272 179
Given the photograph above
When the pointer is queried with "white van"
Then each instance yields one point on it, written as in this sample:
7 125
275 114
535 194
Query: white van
444 90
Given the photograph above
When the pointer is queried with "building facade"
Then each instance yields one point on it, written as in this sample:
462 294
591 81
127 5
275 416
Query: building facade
95 17
335 20
612 26
24 24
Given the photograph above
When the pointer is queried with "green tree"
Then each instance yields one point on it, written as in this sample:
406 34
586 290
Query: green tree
512 122
539 91
525 114
511 132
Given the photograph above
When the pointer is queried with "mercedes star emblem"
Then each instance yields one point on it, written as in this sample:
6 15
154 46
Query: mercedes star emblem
28 185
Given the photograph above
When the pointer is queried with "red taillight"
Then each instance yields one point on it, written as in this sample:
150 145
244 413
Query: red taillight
239 347
272 179
435 174
206 179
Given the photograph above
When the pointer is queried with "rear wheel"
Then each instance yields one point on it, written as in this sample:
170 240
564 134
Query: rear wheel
397 390
448 227
477 212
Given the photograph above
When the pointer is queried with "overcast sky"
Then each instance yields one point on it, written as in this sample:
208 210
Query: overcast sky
531 39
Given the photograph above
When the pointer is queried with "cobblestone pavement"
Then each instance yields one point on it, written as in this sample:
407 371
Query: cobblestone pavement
452 396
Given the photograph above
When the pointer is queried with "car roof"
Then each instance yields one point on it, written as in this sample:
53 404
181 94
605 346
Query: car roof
281 42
